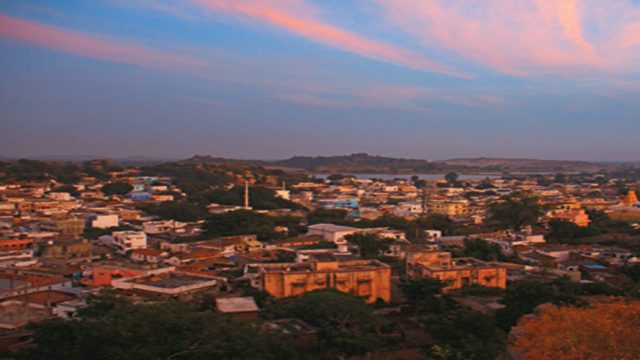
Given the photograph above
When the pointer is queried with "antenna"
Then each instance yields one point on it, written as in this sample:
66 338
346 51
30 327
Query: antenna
246 194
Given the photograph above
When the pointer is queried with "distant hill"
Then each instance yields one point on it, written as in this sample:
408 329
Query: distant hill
506 164
129 160
361 163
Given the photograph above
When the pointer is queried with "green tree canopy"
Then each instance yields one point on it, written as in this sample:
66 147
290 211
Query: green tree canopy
451 177
177 210
482 249
423 292
330 216
116 188
240 222
165 330
465 334
522 297
346 322
369 245
516 210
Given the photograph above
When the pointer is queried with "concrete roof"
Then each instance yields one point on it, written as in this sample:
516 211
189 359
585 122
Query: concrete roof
236 304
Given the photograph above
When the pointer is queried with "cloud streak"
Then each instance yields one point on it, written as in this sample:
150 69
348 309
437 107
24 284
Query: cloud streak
525 37
301 19
81 44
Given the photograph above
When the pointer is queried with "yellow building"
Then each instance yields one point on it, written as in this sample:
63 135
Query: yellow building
457 273
630 199
449 208
66 226
370 279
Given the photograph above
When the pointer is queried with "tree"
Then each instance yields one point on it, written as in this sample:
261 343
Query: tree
335 177
451 177
633 272
560 178
423 293
420 184
177 210
68 188
522 297
346 323
516 210
259 198
482 249
603 331
116 188
164 330
436 222
562 230
369 245
330 216
240 222
465 334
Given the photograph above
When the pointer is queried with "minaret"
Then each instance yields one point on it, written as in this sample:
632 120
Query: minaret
246 194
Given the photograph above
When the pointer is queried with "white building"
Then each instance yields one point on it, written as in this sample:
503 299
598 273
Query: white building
60 196
331 232
104 221
163 226
125 241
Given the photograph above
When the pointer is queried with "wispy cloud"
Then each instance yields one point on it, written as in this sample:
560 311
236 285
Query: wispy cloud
394 97
302 19
92 46
526 37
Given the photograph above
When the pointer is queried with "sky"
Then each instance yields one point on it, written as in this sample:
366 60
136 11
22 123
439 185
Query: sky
270 79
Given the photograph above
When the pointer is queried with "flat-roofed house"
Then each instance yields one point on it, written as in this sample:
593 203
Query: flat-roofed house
370 279
456 272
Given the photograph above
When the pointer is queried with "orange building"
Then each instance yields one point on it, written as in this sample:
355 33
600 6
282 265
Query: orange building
630 199
15 244
370 279
458 272
578 217
103 276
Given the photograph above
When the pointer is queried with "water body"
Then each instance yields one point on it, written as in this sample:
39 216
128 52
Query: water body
421 176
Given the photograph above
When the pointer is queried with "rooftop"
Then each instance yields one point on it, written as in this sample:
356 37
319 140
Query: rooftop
236 304
332 227
169 280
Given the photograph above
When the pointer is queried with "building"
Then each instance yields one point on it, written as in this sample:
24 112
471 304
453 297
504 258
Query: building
370 279
458 272
167 282
162 226
125 241
65 226
630 199
64 248
241 308
332 233
149 256
103 221
449 208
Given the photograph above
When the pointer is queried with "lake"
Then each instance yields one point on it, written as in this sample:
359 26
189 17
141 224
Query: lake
421 176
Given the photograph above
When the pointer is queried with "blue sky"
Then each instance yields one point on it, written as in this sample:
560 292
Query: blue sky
270 79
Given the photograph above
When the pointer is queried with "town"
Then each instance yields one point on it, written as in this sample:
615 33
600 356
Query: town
329 265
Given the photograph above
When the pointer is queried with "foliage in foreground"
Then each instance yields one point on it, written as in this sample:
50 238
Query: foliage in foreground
604 331
169 330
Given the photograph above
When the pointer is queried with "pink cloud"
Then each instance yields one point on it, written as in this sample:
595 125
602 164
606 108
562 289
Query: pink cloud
520 37
89 45
302 19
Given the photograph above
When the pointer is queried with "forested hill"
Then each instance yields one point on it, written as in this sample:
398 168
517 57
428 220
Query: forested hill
507 164
362 163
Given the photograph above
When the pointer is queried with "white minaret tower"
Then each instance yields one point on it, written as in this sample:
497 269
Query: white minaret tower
246 194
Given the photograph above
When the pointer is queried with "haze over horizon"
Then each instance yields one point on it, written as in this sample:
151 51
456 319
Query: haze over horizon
256 79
